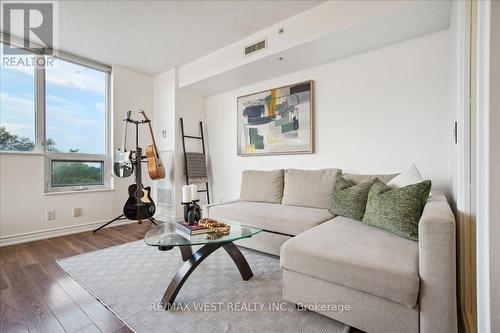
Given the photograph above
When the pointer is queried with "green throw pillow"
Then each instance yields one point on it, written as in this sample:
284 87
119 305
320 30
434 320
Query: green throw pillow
397 210
349 200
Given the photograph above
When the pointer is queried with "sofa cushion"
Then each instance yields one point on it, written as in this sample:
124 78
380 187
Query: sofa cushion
262 186
309 188
399 210
349 200
358 256
290 220
408 177
358 179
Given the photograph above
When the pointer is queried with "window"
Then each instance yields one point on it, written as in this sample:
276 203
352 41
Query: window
59 110
75 108
69 173
17 105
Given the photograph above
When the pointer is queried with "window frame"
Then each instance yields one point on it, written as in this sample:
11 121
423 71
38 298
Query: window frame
40 123
105 158
69 157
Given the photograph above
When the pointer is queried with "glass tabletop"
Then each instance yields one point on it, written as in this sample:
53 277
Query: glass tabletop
167 235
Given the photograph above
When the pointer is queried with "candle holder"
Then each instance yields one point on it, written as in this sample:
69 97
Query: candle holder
192 212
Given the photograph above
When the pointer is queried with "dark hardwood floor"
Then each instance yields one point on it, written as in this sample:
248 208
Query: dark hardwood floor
36 295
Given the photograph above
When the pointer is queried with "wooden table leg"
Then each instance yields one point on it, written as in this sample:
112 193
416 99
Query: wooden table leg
193 261
239 260
186 252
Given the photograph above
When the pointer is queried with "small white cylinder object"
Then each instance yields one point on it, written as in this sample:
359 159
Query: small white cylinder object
186 193
194 192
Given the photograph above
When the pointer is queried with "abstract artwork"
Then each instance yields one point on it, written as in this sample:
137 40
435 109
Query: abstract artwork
276 121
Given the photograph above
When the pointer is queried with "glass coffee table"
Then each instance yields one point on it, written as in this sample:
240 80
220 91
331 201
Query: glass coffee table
165 237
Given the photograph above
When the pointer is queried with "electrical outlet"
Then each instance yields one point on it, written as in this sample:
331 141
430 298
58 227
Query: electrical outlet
77 212
50 215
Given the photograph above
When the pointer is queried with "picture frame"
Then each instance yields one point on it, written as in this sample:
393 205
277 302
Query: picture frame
276 121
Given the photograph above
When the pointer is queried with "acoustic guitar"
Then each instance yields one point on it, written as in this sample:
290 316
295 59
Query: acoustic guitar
156 169
123 166
139 205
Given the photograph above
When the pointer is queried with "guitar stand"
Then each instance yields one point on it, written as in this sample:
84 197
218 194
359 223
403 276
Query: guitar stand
138 159
122 217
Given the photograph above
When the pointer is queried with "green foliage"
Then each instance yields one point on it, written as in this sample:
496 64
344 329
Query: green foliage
76 173
50 145
12 142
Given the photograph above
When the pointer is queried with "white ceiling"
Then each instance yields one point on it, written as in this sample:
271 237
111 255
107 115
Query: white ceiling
154 36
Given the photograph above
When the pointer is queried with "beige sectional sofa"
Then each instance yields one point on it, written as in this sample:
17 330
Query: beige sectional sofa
278 222
388 283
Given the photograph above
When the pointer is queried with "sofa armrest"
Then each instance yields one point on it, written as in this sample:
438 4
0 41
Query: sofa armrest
437 266
206 208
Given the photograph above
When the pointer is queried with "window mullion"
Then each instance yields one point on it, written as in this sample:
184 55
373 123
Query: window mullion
40 108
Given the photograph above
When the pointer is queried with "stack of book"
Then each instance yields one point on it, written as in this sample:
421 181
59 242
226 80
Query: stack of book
194 229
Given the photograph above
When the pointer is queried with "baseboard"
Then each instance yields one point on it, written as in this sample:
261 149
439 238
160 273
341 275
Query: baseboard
56 232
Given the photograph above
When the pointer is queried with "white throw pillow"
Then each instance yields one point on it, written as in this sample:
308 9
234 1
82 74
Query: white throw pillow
409 177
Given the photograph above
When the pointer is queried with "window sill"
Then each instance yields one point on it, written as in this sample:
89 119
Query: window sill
80 191
21 153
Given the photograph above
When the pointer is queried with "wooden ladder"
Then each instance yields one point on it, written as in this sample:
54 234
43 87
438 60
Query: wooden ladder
201 137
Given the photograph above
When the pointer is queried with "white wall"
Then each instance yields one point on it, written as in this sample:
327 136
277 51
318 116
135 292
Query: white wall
164 91
170 104
375 112
457 63
23 203
494 229
191 107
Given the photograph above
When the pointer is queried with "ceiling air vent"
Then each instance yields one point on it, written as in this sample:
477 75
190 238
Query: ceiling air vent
260 45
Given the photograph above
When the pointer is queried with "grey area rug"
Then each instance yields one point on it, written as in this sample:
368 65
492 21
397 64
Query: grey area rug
130 280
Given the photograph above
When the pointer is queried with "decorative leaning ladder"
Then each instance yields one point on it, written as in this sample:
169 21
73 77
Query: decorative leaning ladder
195 158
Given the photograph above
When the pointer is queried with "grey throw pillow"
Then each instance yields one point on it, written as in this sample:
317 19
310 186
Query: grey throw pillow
397 210
262 186
349 199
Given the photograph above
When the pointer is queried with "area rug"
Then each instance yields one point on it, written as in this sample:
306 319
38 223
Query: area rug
130 280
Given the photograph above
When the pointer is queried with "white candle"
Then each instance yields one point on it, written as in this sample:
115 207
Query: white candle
194 192
186 193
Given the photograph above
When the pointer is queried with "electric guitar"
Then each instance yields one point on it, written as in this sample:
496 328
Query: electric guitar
139 205
123 166
156 169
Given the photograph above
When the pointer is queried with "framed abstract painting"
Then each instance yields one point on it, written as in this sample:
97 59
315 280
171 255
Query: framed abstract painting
276 121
